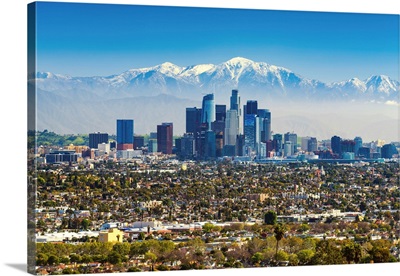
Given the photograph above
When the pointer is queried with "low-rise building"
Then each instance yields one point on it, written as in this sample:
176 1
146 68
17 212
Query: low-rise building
111 235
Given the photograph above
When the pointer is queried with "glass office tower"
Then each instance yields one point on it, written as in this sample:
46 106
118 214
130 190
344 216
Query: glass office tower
208 110
125 129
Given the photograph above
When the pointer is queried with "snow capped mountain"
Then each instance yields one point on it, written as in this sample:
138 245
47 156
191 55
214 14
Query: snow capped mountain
352 84
49 75
256 78
376 88
382 84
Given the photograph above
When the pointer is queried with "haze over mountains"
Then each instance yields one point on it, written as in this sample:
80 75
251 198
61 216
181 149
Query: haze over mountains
153 95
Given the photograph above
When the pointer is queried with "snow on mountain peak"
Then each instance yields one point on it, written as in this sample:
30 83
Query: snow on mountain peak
169 67
49 75
239 61
378 79
382 83
197 70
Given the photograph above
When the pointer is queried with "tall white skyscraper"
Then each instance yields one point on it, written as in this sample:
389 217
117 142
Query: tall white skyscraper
235 105
231 127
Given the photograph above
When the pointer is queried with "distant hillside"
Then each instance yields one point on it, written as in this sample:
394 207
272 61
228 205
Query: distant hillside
46 138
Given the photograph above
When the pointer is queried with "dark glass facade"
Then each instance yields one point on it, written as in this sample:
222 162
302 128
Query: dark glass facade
336 145
125 132
97 138
193 119
164 138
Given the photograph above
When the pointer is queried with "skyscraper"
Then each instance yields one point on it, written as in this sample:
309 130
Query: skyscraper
388 150
288 148
208 110
312 144
250 126
265 128
231 127
125 129
97 138
210 145
187 147
249 133
358 145
139 141
269 145
220 112
193 119
235 105
164 138
292 137
240 145
235 100
364 152
277 143
251 107
218 126
219 143
152 145
336 145
304 143
347 145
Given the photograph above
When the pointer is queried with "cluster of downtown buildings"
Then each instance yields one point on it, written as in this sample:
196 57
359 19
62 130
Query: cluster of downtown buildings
245 133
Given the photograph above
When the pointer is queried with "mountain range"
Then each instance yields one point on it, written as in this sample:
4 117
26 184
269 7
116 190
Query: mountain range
241 73
166 90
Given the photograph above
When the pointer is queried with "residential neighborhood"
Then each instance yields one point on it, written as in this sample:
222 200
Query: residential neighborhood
158 213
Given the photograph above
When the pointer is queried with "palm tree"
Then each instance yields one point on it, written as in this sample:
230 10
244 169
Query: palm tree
279 231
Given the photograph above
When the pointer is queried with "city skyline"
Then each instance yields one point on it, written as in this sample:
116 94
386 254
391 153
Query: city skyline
319 45
214 132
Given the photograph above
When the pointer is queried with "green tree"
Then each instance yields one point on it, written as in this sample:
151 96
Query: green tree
304 227
305 256
282 256
53 260
41 259
352 252
122 248
114 258
64 260
270 218
218 256
86 258
75 258
208 227
257 258
85 224
327 253
141 236
151 257
380 252
293 260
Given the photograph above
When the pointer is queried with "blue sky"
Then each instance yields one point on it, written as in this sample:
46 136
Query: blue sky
100 39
